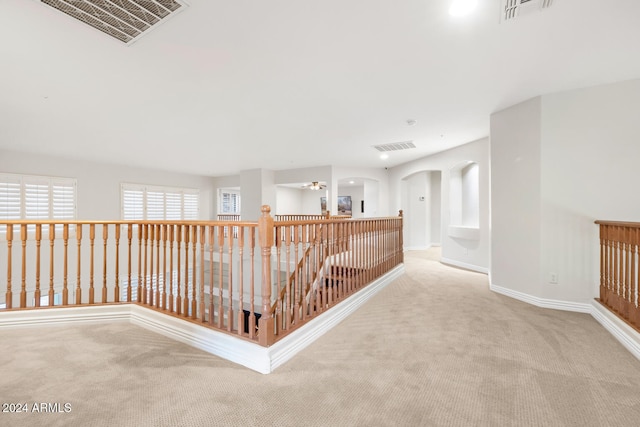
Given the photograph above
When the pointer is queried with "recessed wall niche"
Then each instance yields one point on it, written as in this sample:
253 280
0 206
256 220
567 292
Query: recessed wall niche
464 197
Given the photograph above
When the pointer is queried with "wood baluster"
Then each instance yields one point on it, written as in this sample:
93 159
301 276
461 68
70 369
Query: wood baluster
618 268
632 275
201 302
129 255
221 231
36 294
627 273
105 237
290 307
211 288
23 290
65 280
186 270
52 238
252 317
194 272
241 281
280 299
164 266
145 236
605 296
140 279
92 238
636 290
178 240
117 287
9 294
171 237
79 240
603 263
152 284
158 290
230 315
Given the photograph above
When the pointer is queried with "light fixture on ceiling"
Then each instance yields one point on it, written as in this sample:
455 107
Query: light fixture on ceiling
462 7
315 185
384 156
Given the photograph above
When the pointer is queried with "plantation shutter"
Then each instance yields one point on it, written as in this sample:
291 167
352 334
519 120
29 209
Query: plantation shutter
10 200
132 202
191 207
174 206
155 205
141 202
63 194
36 198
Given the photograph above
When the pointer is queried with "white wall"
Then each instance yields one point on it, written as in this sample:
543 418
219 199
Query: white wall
466 252
99 183
590 153
560 162
288 201
515 196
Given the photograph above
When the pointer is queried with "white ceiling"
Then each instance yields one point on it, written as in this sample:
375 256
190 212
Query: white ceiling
232 85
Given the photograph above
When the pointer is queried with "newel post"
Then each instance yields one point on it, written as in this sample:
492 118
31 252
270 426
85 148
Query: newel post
265 234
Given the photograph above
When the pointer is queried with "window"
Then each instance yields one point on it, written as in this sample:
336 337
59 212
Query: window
36 197
229 201
159 203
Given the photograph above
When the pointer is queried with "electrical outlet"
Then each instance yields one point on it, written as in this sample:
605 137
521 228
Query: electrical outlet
553 278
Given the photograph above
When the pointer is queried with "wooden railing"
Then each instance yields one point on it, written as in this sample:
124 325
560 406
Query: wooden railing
258 283
324 262
619 269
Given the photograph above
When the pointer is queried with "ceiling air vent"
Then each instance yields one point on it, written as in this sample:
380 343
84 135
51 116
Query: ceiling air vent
514 8
395 146
125 20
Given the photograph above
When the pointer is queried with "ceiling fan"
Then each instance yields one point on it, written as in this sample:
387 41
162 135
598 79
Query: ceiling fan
315 185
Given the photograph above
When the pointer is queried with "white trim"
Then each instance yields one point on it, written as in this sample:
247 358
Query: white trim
542 302
64 316
464 265
624 333
416 248
234 349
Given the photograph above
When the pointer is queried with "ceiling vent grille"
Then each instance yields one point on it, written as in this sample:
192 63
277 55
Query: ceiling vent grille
395 146
513 8
125 20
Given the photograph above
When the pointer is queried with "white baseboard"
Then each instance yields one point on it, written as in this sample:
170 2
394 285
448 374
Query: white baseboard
416 248
542 302
234 349
64 315
625 334
464 265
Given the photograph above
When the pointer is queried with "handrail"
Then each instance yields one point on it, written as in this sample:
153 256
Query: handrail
620 269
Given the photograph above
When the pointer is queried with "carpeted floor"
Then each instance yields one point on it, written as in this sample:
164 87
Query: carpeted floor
434 348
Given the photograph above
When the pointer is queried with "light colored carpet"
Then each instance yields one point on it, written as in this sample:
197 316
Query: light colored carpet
434 348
